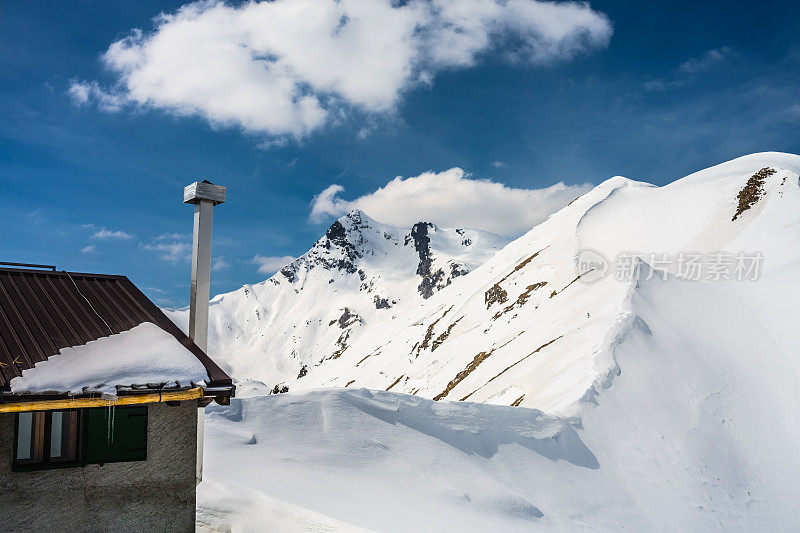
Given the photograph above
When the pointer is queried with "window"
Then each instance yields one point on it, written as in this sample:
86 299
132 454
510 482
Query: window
51 439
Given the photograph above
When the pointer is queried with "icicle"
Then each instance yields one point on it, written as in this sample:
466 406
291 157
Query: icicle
110 412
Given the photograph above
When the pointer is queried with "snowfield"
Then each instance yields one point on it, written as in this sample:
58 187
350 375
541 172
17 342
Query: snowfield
660 401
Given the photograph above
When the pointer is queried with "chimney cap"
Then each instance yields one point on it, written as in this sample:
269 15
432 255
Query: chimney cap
203 190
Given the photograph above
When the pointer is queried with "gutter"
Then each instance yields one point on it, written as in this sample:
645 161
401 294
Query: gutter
79 403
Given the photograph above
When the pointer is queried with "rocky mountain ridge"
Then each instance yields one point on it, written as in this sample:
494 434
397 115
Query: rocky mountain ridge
356 276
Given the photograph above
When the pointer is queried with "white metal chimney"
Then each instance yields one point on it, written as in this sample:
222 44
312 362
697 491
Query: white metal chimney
204 195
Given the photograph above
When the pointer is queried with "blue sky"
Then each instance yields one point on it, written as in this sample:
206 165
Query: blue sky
93 181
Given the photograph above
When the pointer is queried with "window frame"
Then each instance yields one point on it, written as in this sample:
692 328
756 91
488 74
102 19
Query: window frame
47 463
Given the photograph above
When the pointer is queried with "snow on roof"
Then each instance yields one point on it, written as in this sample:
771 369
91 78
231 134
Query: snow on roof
144 354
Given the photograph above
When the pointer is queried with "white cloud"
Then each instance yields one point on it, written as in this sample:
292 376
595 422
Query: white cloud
327 204
105 234
172 236
271 264
83 92
89 249
711 57
661 85
285 67
655 85
171 251
169 303
220 264
498 164
451 199
689 68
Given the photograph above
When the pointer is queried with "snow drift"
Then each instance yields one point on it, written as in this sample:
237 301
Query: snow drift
697 431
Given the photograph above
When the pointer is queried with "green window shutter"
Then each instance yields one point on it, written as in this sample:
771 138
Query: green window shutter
116 434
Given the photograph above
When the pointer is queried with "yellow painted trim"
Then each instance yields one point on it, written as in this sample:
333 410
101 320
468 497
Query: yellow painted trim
78 403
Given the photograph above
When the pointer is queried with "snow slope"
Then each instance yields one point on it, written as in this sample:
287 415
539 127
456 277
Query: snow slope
697 430
357 277
525 329
653 403
442 314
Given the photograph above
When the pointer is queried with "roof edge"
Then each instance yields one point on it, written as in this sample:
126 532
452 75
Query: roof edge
221 394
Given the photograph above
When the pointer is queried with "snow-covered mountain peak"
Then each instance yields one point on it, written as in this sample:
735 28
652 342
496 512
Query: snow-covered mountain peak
348 240
527 328
650 368
746 164
388 308
357 276
358 244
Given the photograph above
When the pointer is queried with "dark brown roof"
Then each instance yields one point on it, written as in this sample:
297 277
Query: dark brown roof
43 311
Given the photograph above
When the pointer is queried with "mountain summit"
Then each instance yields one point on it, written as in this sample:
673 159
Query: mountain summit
447 314
536 325
358 276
